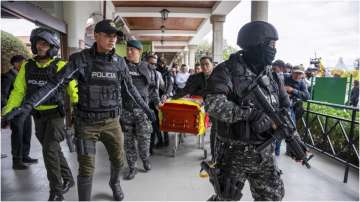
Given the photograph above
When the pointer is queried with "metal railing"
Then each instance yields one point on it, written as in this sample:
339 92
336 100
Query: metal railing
347 153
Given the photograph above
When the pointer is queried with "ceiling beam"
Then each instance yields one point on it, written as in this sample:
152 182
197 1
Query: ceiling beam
155 12
159 33
170 43
168 50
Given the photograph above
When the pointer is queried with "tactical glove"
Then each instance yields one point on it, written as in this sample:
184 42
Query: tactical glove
259 121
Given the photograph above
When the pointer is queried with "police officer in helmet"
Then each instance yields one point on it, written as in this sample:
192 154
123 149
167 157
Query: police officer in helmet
101 75
242 126
34 74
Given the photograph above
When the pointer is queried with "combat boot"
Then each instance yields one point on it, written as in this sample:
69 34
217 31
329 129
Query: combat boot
19 165
84 187
147 165
131 174
55 196
118 194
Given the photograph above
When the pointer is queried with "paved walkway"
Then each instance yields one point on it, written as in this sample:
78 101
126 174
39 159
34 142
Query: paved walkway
175 178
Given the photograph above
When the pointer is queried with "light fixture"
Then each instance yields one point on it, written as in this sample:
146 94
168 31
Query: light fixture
162 28
164 14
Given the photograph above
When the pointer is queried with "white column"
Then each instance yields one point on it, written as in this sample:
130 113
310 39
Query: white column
259 11
192 51
186 58
75 15
217 22
182 59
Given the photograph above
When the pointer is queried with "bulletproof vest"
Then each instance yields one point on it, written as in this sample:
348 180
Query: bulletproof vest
140 75
99 87
241 77
38 77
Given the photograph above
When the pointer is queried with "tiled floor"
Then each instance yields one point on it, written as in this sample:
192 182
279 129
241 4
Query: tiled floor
175 178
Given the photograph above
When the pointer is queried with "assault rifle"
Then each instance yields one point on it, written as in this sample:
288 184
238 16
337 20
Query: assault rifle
285 127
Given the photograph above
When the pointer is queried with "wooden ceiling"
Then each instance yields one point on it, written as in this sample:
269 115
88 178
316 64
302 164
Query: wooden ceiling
178 24
169 47
151 23
184 4
165 38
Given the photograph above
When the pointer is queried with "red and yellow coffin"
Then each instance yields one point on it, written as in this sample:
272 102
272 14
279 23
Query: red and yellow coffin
184 116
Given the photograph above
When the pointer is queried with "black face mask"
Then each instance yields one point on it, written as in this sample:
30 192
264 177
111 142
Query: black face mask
259 57
268 54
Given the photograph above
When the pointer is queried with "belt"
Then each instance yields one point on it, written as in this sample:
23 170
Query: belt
47 113
237 145
97 115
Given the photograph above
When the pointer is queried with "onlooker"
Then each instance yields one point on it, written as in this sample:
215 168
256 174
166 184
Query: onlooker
278 66
191 71
287 69
182 77
20 131
354 96
197 68
297 90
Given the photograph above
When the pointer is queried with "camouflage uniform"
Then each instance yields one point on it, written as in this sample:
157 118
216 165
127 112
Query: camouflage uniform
135 124
237 137
136 128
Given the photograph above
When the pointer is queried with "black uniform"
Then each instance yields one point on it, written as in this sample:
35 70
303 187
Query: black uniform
20 133
242 126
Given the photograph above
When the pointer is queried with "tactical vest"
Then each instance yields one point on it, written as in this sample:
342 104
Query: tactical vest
140 75
241 77
38 77
99 87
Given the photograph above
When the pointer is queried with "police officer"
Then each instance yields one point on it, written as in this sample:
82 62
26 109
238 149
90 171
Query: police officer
165 93
20 132
101 75
49 116
135 124
160 84
241 126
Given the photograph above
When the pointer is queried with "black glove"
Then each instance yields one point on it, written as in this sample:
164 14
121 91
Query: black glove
22 111
259 121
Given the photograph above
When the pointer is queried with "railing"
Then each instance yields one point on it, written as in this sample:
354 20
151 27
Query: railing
341 146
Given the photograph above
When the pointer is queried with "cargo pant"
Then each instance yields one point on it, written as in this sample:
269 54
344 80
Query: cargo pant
239 163
137 128
108 132
50 131
20 138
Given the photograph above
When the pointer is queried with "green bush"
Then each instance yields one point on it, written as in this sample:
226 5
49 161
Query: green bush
10 46
336 137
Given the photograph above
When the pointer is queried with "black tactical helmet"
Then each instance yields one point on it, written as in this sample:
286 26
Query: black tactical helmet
47 35
255 33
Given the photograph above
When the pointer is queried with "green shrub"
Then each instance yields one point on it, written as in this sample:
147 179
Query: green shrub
10 46
335 135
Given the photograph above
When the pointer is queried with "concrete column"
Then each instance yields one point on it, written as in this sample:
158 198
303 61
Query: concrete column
182 59
192 51
76 14
217 22
259 11
186 58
